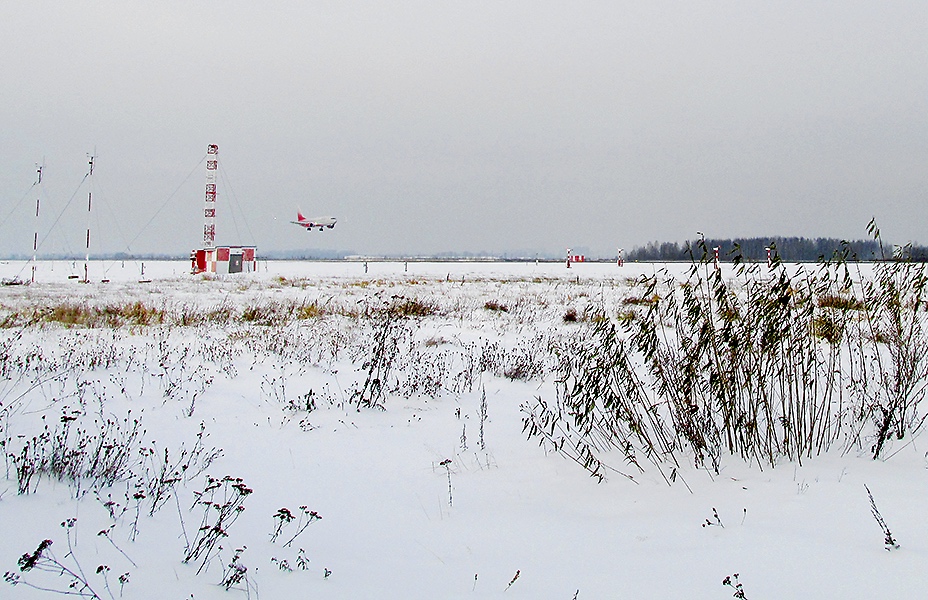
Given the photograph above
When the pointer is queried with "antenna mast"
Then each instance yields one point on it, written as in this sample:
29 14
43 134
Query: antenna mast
209 210
38 197
89 204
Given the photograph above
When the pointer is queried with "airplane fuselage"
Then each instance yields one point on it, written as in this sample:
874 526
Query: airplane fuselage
315 223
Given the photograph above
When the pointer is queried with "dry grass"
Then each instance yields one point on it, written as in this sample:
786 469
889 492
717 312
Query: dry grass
432 342
309 311
410 307
493 305
626 315
840 302
141 314
827 328
641 300
72 314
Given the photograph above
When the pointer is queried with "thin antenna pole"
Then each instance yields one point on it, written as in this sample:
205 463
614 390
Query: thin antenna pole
38 197
89 205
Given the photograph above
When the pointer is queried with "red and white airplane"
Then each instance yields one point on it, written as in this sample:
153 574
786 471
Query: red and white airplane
310 224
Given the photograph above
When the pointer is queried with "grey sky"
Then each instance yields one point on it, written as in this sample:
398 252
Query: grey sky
466 126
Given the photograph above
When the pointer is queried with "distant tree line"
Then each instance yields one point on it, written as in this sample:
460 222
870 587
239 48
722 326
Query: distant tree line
788 249
913 253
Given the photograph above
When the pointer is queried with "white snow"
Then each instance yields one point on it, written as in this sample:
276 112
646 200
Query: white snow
391 527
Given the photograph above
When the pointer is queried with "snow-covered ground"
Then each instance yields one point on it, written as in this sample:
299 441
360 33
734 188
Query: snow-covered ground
438 494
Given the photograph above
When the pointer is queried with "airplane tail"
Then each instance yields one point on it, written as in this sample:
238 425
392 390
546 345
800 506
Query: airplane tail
299 216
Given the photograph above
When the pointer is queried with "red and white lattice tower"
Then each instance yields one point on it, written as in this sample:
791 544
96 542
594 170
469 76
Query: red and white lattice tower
209 210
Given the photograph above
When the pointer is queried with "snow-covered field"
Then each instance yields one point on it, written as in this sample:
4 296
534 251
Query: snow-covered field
435 493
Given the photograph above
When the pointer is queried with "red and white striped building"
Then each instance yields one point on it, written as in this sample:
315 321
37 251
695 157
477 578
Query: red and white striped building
224 259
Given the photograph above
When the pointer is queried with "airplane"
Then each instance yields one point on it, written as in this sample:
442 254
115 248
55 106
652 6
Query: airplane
310 224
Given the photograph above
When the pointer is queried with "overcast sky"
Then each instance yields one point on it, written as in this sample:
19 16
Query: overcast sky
500 126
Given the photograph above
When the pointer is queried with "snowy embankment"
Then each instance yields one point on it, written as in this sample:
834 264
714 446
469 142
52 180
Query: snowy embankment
384 411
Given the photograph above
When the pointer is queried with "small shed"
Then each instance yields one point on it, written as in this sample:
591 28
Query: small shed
224 259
